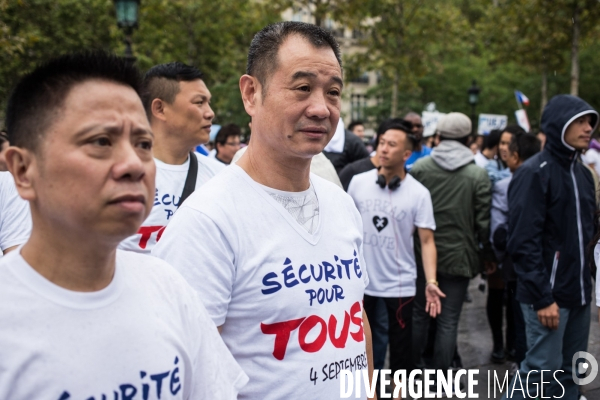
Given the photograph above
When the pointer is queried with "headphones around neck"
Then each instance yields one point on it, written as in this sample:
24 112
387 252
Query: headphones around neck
393 185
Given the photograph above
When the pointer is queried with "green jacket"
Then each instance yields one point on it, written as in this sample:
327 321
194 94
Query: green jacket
461 194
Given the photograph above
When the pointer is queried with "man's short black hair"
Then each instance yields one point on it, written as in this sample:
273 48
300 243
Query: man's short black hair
354 124
492 139
399 124
31 105
264 48
3 138
514 129
162 82
225 133
525 145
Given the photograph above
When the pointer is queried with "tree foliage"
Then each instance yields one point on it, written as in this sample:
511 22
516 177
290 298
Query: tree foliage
423 50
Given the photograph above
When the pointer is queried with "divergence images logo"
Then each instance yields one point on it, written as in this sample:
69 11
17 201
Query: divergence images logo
588 367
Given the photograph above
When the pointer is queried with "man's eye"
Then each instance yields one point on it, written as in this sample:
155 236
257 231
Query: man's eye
334 93
146 145
103 141
304 88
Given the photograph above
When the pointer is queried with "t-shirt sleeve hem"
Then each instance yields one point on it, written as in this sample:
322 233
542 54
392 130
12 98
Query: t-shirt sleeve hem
219 320
13 242
241 381
426 226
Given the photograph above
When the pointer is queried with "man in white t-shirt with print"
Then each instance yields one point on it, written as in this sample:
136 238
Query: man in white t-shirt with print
275 252
177 103
15 219
393 205
81 319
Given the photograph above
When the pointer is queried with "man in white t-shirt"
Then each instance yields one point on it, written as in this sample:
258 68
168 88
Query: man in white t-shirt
393 205
15 219
81 319
177 103
274 251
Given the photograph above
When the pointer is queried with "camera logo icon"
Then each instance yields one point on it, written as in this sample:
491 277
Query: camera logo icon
584 364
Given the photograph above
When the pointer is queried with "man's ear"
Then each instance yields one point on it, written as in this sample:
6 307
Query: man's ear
251 91
22 165
158 109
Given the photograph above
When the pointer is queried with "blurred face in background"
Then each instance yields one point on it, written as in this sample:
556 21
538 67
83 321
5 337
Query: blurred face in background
417 124
503 146
359 130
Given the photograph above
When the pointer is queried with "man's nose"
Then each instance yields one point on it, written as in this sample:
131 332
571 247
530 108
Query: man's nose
209 114
128 163
318 107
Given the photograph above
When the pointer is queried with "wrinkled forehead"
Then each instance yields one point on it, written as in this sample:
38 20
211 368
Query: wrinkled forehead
297 53
97 102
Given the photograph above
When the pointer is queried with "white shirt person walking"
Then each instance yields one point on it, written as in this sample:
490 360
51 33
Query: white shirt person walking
81 319
274 251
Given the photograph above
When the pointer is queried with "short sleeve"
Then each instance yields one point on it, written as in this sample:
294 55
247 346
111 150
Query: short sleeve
15 217
361 258
424 217
195 246
216 374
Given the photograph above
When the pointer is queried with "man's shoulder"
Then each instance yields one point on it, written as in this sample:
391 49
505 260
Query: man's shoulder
220 190
151 272
475 170
415 186
328 190
363 176
210 164
362 180
422 164
535 165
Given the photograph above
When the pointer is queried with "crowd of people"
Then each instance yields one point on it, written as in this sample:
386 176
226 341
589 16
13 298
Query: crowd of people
138 265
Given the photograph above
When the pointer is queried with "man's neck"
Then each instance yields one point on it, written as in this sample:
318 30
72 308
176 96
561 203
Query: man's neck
274 170
418 147
168 149
375 161
488 153
218 159
389 173
69 262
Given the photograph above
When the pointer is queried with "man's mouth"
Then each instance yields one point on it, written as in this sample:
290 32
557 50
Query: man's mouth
130 202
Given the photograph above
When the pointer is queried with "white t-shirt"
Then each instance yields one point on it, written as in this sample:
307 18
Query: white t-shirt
389 221
170 180
146 333
290 302
592 156
15 217
481 160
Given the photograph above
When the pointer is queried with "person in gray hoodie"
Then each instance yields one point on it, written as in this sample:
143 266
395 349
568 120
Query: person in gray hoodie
461 197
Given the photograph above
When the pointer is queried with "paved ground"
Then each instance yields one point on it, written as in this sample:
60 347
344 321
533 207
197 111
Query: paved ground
475 343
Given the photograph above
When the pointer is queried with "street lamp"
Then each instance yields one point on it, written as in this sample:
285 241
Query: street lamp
473 99
127 20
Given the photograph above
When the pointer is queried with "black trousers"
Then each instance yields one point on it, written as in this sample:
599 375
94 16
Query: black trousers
400 314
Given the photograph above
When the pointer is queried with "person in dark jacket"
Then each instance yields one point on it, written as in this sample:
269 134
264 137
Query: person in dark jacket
345 147
551 213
